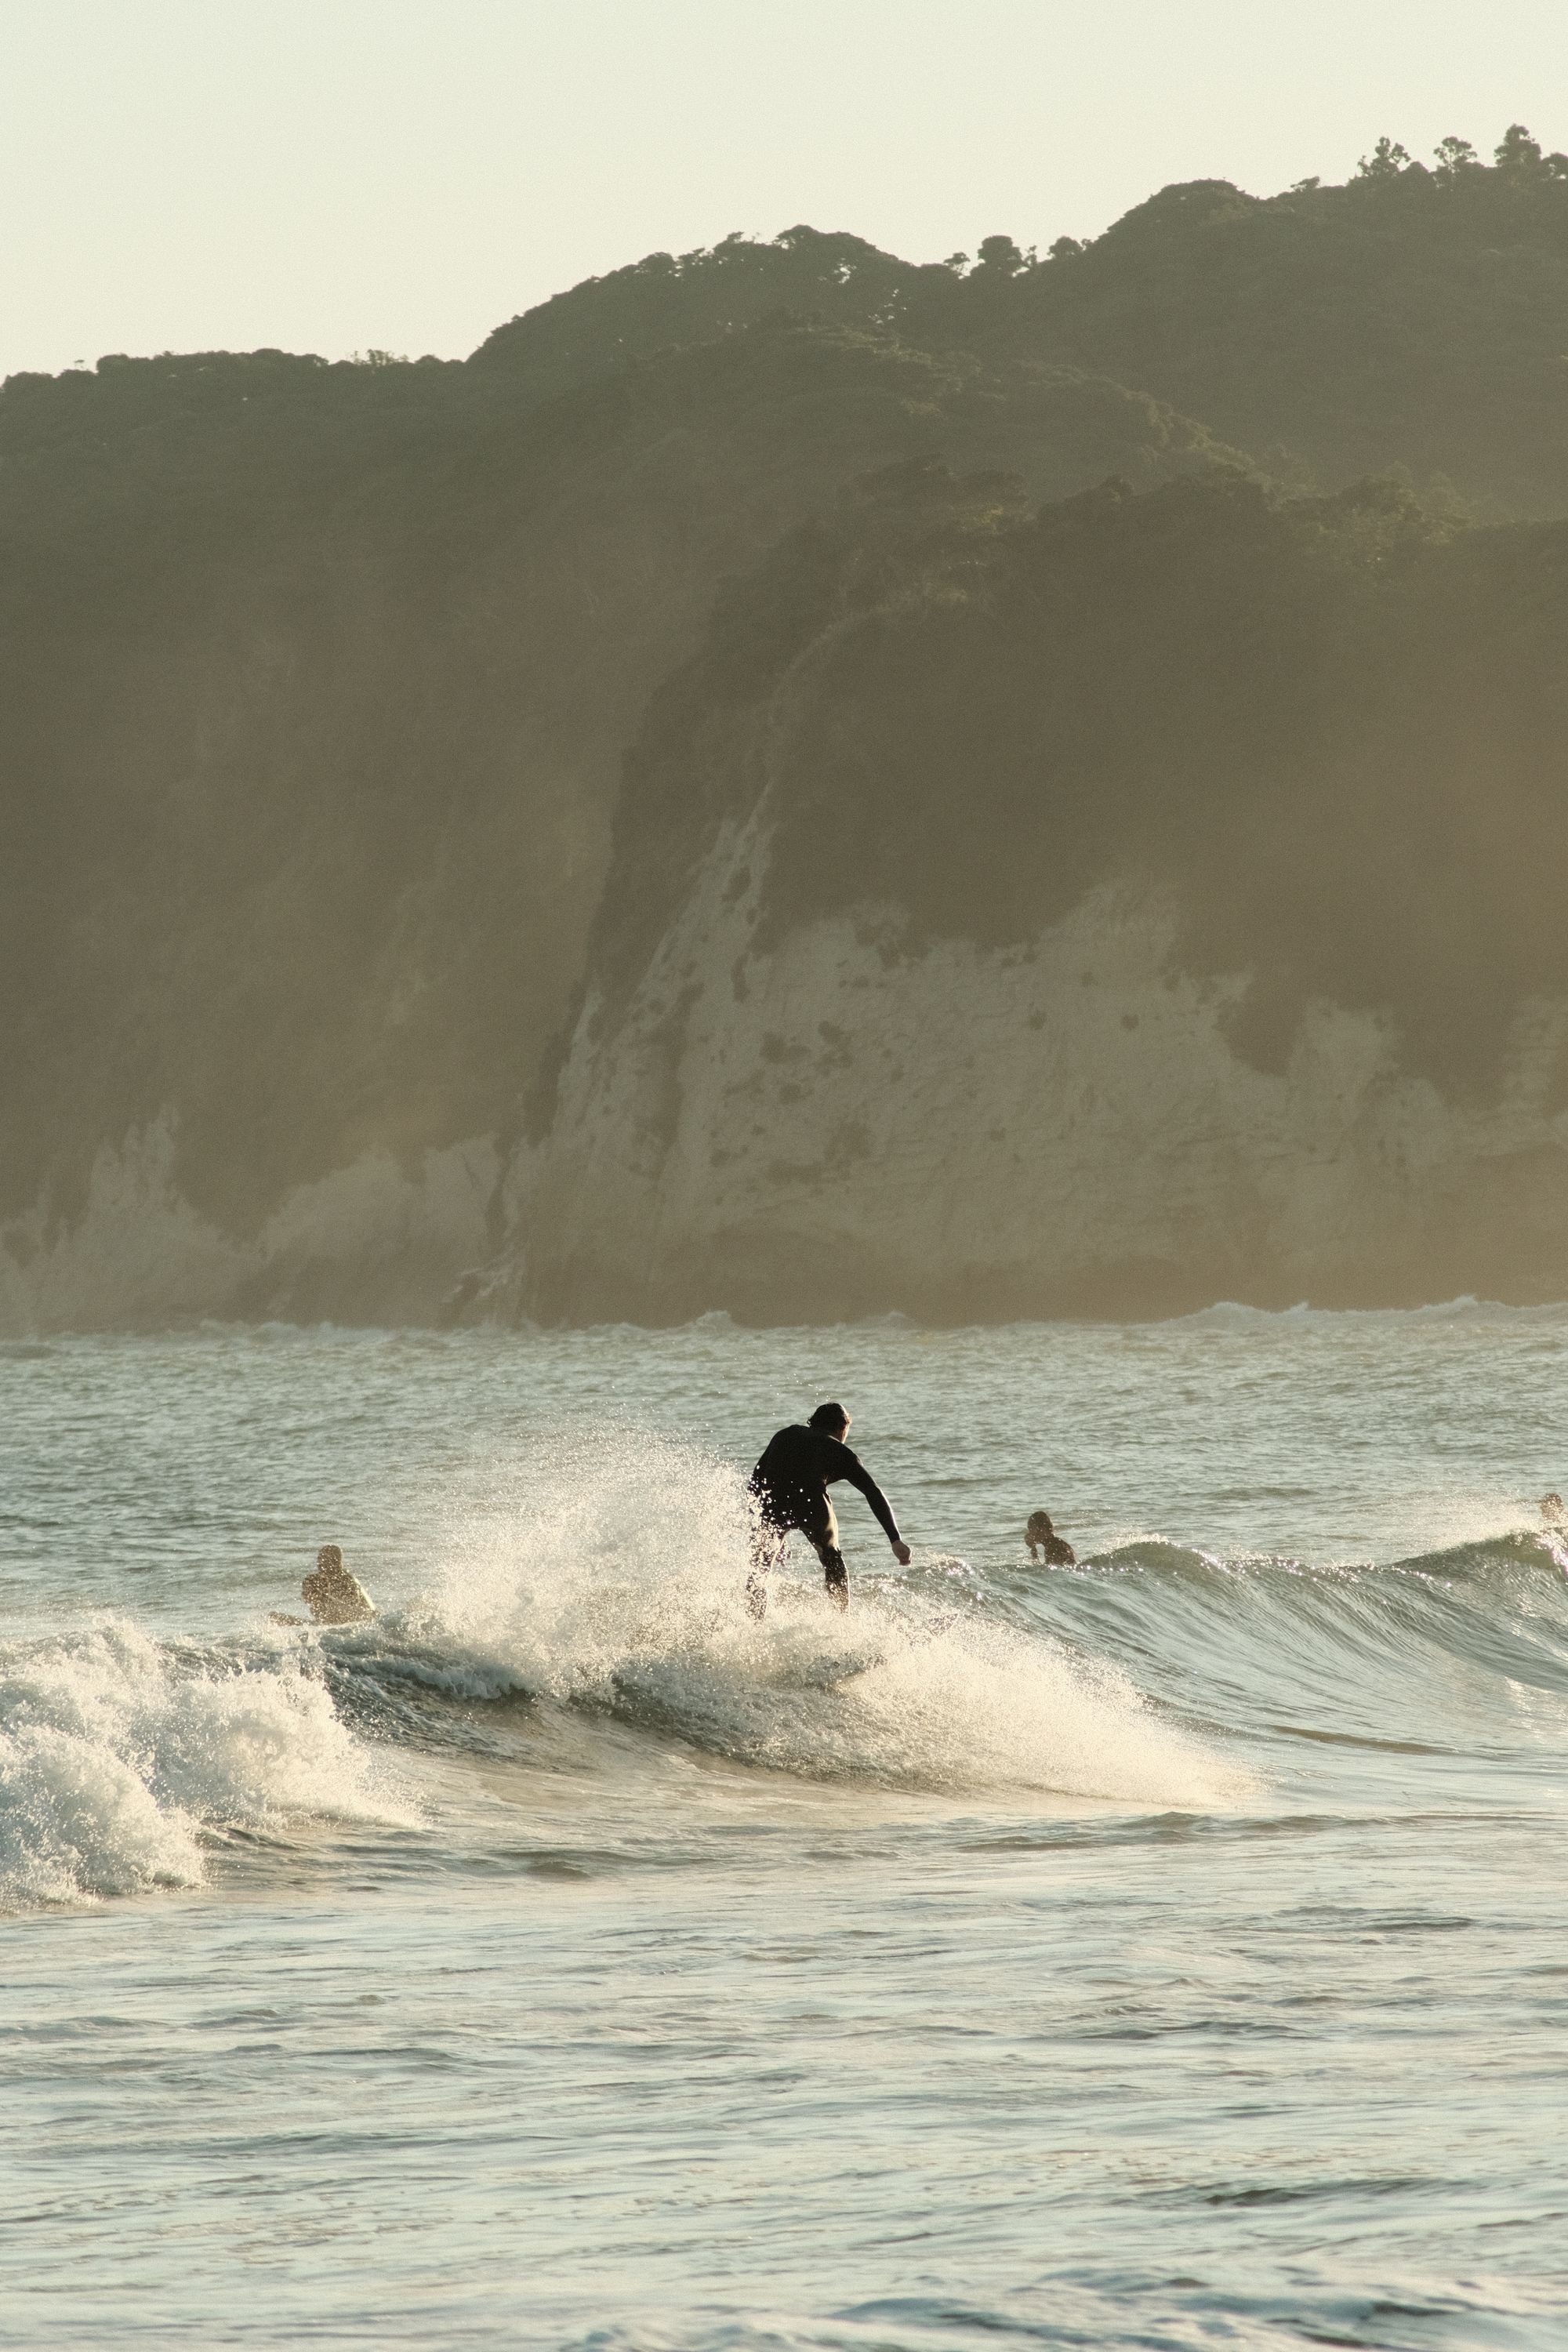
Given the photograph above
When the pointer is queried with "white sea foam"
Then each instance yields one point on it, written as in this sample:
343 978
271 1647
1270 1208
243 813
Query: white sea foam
613 1577
117 1756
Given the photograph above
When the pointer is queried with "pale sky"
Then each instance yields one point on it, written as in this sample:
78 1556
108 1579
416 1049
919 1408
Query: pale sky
334 175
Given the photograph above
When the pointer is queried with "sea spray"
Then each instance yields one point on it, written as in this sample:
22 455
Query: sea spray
611 1575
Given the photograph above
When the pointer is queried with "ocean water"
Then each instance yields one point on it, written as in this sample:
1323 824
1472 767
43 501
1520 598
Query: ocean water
1169 1952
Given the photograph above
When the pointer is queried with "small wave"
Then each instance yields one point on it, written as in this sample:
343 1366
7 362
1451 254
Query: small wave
1120 2308
120 1758
1502 1560
1232 1314
1467 1642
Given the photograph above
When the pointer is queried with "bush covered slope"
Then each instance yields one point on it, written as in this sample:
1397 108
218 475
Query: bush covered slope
1417 316
363 723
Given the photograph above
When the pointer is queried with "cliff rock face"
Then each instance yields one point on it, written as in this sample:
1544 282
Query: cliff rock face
1013 953
836 1127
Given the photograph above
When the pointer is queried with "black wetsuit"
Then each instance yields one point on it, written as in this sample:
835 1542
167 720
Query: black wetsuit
790 1487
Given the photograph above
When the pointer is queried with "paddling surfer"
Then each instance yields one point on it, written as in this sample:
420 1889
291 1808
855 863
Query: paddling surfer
789 1490
334 1593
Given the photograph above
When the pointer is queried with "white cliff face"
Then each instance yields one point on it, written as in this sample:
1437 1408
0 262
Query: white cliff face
372 1243
841 1123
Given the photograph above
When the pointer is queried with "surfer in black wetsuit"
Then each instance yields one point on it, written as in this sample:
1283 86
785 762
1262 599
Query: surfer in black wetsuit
789 1489
1041 1536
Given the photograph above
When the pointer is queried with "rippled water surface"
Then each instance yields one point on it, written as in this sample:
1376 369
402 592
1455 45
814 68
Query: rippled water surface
1166 1952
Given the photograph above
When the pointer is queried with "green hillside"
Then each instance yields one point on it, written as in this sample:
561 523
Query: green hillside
1417 316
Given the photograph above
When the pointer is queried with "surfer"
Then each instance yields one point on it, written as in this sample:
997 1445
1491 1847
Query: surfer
1555 1511
334 1593
1040 1536
789 1490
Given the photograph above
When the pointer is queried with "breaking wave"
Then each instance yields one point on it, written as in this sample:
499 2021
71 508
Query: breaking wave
122 1758
601 1586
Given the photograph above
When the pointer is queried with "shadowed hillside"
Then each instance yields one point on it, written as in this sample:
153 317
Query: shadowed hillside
314 687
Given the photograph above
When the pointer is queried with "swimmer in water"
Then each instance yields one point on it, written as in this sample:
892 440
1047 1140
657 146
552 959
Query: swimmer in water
1040 1536
789 1490
334 1595
1554 1511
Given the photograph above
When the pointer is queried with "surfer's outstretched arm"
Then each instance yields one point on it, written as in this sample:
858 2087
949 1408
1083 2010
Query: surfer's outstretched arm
855 1470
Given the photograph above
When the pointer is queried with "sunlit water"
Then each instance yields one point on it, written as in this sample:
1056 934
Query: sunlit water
1167 1953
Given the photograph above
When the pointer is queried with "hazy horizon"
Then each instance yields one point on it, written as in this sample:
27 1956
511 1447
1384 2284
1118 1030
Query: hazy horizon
345 177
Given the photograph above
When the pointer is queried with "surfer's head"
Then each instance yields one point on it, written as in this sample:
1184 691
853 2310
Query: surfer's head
330 1561
1553 1510
832 1420
1039 1525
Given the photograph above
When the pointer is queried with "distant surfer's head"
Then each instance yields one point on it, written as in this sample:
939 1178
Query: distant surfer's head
1552 1507
1039 1525
831 1419
330 1561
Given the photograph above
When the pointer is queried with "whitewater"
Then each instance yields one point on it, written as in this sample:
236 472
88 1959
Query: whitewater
1165 1952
